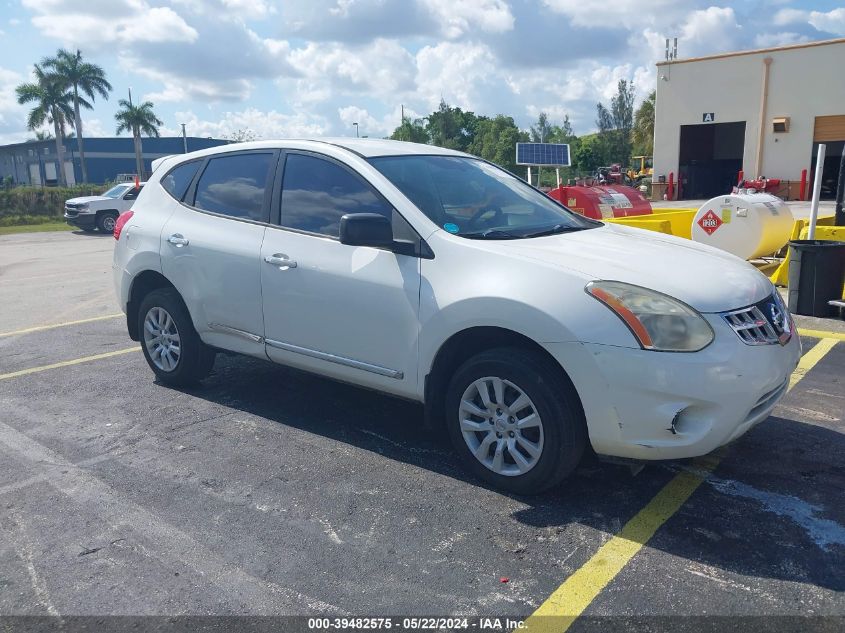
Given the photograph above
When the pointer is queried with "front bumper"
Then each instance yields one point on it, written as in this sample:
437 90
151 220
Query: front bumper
82 220
658 405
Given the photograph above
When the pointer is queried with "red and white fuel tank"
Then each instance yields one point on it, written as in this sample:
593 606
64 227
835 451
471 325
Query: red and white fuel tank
603 201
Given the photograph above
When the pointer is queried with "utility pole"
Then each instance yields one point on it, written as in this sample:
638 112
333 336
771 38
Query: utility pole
402 124
356 129
184 140
130 95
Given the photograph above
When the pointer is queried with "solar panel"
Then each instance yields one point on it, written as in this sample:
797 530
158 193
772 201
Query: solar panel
553 154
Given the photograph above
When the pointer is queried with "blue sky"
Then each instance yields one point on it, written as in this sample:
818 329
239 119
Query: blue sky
313 67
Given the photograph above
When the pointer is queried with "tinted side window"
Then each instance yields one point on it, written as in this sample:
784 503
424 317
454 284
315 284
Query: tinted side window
178 179
317 192
235 185
132 193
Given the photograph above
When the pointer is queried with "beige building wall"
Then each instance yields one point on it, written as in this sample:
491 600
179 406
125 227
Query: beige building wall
805 81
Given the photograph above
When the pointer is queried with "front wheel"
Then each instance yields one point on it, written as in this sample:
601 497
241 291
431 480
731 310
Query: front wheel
514 420
106 222
171 345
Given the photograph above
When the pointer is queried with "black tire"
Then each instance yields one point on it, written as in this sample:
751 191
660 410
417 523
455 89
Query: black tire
554 398
196 359
105 222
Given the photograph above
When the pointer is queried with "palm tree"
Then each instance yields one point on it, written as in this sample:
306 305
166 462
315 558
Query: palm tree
52 105
643 131
138 119
83 77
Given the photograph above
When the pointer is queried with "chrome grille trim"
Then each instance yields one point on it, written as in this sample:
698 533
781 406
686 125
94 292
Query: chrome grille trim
751 326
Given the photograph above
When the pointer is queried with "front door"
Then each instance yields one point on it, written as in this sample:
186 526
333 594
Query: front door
350 312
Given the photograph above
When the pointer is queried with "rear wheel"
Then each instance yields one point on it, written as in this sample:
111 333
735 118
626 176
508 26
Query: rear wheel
106 222
514 420
171 345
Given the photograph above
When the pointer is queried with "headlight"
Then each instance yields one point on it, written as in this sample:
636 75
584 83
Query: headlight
82 207
657 321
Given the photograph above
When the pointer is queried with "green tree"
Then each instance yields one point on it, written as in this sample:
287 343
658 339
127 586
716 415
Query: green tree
83 78
622 109
242 136
540 132
451 127
139 120
615 125
495 140
588 156
52 103
412 130
643 131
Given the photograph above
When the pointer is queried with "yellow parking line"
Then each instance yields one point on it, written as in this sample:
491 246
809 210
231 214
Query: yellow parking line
39 328
809 359
68 363
839 336
570 600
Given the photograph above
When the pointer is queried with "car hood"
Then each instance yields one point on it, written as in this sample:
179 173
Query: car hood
84 199
706 278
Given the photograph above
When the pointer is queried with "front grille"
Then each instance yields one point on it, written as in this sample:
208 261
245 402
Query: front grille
765 323
71 211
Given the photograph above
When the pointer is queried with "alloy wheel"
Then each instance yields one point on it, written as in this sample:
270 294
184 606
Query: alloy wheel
501 426
162 339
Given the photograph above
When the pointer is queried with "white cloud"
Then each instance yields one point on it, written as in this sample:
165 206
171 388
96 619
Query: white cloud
457 17
455 72
95 23
382 68
636 13
245 9
832 21
368 125
10 109
767 40
266 124
703 32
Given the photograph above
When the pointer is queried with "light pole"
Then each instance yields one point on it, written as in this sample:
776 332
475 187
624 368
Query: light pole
356 129
184 140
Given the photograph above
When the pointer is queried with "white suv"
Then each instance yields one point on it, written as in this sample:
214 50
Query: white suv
525 329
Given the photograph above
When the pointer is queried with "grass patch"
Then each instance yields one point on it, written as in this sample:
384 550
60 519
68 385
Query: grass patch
53 225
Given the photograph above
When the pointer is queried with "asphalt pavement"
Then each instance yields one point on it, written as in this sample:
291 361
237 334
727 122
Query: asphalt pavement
266 491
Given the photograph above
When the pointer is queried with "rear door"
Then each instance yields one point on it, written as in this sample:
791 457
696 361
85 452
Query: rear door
211 244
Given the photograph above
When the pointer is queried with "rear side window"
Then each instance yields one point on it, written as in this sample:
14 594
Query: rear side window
235 186
317 192
178 179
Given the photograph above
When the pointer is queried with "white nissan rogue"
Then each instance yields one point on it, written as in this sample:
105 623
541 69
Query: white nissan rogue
526 330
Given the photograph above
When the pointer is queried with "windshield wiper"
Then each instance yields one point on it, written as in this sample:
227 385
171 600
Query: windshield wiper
490 234
557 228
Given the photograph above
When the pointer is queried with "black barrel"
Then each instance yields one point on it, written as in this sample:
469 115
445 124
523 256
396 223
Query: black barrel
816 275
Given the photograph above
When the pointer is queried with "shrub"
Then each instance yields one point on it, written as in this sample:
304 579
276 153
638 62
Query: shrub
42 201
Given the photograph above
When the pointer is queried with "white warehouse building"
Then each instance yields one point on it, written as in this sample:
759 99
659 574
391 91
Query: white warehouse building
762 112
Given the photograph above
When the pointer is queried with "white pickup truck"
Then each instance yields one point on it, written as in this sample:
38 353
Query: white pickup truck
100 212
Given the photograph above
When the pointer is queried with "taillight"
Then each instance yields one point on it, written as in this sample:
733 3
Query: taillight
122 219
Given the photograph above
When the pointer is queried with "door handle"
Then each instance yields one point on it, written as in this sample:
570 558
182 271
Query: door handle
177 240
280 260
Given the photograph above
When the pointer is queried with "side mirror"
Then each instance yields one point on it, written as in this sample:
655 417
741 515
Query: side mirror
366 229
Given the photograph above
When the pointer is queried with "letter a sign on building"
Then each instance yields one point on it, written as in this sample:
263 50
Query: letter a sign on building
709 117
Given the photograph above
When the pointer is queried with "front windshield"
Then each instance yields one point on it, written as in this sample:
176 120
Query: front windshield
116 191
474 199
